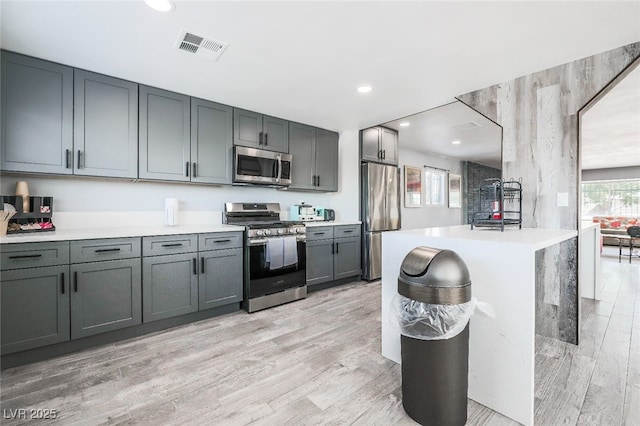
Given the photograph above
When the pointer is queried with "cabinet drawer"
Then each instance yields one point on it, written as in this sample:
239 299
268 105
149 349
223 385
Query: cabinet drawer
319 233
220 240
107 249
342 231
169 244
34 255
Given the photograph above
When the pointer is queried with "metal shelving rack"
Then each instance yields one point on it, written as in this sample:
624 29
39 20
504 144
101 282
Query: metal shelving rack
499 204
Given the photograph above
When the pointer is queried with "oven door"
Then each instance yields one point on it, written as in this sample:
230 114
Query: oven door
259 166
263 280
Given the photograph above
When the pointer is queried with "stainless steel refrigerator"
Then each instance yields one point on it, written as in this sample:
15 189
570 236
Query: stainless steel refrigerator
379 211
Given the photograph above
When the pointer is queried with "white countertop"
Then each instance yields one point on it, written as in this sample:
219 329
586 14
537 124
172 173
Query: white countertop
329 223
116 232
537 238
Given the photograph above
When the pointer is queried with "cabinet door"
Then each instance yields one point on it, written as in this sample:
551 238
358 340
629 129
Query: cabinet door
170 286
319 261
37 115
346 260
211 142
105 126
370 144
247 128
302 150
105 296
221 278
326 160
276 134
35 307
164 142
389 146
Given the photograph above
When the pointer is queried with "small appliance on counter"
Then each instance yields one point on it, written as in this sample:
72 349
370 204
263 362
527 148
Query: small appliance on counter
325 214
30 213
303 212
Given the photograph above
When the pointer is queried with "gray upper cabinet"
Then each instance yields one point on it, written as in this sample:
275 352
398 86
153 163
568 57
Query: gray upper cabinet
315 158
379 144
255 130
105 126
211 142
37 115
326 160
164 135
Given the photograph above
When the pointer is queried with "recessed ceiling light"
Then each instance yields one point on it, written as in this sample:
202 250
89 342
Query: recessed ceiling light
455 142
364 89
405 124
160 5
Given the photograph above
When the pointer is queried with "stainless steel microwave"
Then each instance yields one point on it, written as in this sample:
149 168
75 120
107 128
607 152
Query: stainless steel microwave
259 166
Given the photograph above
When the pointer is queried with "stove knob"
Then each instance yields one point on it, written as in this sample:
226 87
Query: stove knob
300 230
259 233
280 231
292 231
267 232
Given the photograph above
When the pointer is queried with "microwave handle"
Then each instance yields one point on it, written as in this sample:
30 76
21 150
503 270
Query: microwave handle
279 172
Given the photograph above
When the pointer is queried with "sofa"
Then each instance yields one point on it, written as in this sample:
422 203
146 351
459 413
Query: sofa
614 225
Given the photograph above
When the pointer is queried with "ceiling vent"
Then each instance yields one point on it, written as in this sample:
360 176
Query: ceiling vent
467 126
199 45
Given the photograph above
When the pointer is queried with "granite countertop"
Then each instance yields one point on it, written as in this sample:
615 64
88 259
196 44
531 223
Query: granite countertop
116 232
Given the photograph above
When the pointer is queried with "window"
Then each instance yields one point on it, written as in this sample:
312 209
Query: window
611 198
434 187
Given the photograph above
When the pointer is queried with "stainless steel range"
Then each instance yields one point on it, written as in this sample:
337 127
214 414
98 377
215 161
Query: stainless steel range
275 255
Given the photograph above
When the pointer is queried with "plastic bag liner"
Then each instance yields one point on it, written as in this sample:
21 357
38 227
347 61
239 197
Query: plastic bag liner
426 321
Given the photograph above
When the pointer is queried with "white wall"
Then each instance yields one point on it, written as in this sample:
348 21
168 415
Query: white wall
427 215
81 194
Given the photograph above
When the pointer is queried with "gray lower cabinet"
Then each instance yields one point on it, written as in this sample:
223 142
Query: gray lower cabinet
333 253
164 135
211 142
169 286
315 158
255 130
35 307
37 115
106 296
220 281
105 126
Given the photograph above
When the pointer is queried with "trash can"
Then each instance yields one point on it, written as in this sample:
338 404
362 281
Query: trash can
433 307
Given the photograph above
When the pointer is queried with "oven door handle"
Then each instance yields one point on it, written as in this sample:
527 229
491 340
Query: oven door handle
279 172
263 241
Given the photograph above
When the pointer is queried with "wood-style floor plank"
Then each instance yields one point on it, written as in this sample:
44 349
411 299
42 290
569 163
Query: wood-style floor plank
317 362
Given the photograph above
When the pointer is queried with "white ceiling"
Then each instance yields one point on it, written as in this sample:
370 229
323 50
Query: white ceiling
434 130
610 129
303 60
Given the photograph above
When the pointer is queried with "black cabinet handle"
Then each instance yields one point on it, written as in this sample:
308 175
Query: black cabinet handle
348 231
193 172
318 233
380 154
25 256
62 279
384 154
68 158
79 162
172 245
187 169
260 138
109 250
266 138
202 264
221 241
75 281
195 266
318 181
337 248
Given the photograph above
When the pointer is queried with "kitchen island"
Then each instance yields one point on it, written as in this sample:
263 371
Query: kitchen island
502 266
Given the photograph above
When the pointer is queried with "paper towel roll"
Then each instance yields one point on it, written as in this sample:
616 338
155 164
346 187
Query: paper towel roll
171 211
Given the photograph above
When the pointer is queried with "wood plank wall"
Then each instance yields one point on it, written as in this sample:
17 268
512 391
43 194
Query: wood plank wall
539 116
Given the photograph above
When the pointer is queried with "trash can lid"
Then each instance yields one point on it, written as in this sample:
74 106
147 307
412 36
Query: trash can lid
436 276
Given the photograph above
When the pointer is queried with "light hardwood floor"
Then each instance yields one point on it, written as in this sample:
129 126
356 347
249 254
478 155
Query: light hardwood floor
317 362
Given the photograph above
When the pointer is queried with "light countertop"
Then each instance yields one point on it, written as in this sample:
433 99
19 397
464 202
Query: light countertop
329 223
116 232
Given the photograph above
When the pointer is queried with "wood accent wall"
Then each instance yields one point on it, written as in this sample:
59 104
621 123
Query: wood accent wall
539 117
